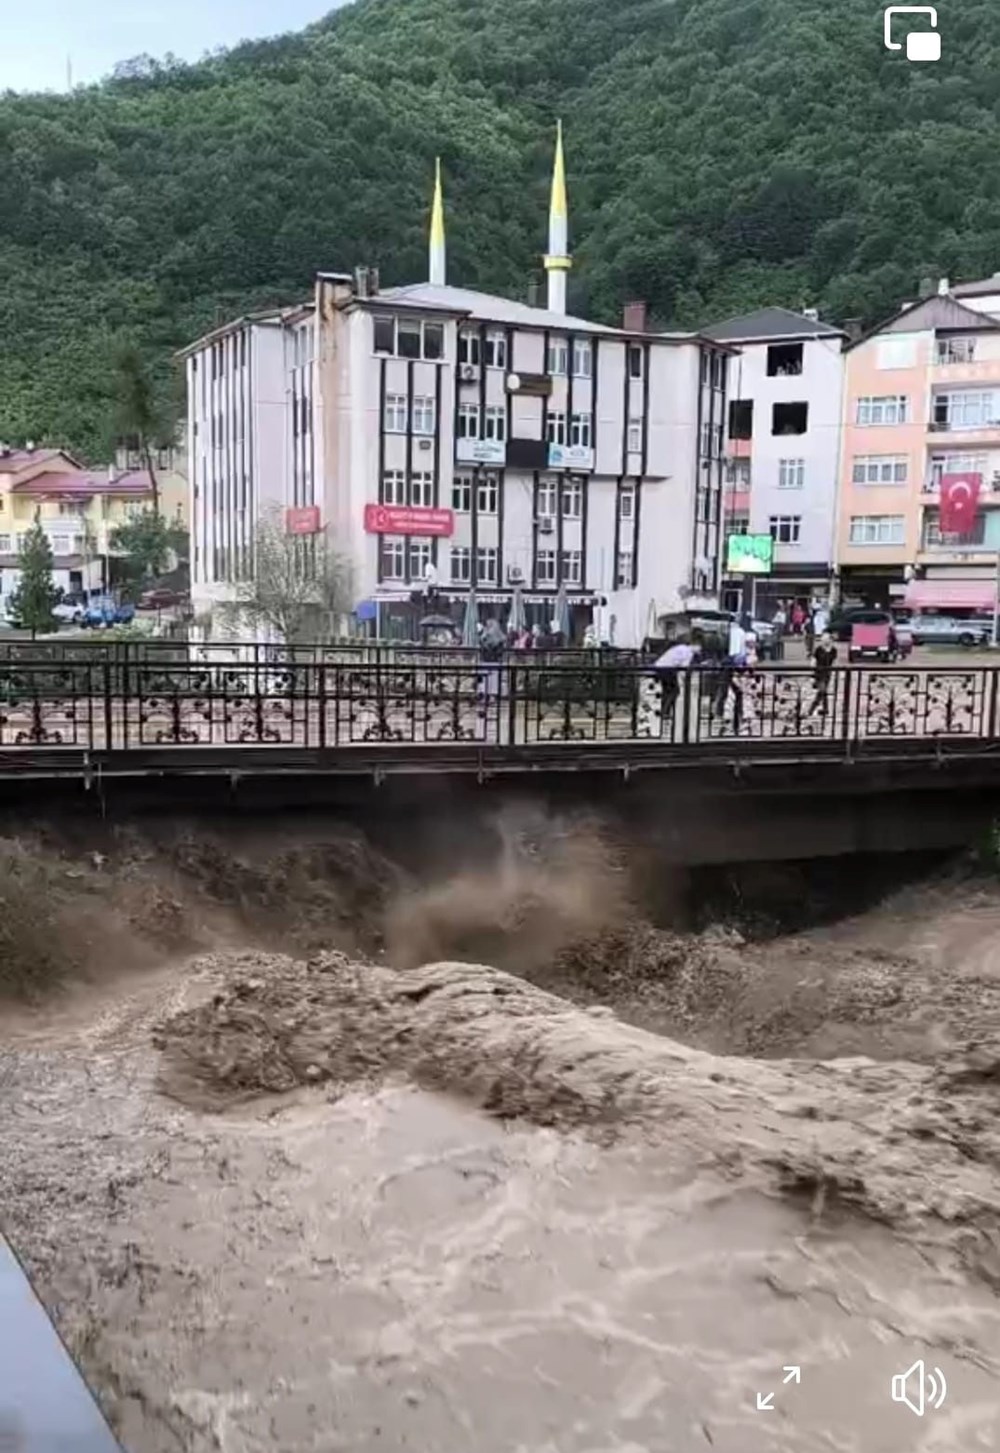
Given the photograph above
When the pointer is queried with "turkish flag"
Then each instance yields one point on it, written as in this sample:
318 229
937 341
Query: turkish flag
959 501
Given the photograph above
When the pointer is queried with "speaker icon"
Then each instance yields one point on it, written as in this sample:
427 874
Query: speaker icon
920 1388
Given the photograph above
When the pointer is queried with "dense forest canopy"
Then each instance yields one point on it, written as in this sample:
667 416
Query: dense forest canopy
722 154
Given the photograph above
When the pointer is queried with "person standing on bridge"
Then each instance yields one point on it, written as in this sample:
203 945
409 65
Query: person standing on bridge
680 656
824 660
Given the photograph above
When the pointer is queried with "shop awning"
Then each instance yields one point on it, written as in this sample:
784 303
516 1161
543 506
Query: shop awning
951 594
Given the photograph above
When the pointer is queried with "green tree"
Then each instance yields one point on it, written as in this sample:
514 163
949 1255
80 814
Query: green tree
296 587
140 413
148 541
33 602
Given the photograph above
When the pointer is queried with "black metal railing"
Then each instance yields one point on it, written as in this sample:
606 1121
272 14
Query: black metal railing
118 701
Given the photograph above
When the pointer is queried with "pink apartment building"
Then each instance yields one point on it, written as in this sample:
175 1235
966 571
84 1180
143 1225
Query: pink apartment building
922 400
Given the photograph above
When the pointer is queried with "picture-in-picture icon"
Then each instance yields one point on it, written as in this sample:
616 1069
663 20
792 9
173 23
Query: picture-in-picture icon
921 45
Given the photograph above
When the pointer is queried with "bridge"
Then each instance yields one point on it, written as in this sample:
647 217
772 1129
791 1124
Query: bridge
761 763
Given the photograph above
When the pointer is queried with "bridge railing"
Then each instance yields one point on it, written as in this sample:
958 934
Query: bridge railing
121 702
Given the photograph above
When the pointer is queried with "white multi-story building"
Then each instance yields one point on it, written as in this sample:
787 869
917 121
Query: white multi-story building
783 451
450 437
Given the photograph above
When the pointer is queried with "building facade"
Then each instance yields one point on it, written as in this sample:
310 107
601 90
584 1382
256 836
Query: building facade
783 447
455 442
922 403
78 509
250 440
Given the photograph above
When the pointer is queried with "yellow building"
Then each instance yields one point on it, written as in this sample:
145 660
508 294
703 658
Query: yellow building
77 508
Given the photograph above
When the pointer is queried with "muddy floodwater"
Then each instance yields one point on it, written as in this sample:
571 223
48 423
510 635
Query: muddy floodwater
306 1201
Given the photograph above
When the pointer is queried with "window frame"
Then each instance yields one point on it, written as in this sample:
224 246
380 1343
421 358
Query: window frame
583 358
468 417
872 466
460 555
389 545
581 431
626 495
422 489
424 413
896 404
487 556
878 539
393 481
395 414
792 474
556 430
624 569
461 490
488 493
571 490
794 531
557 362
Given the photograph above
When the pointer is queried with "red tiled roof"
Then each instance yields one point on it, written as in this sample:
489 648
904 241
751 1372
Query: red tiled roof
19 459
82 484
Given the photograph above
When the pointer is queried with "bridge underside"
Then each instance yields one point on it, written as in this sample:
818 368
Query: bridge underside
707 808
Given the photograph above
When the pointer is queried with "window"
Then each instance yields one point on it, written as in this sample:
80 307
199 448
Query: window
717 441
385 334
623 573
718 370
626 502
635 360
888 409
789 418
572 500
738 523
583 358
409 333
741 419
496 422
65 507
487 564
786 529
423 416
581 432
488 494
634 436
956 350
738 474
468 348
422 489
933 536
957 464
545 567
395 414
461 494
433 342
408 337
547 498
461 564
784 360
496 350
394 487
420 558
879 469
572 567
791 473
555 428
877 530
558 356
5 545
468 421
967 410
393 557
703 367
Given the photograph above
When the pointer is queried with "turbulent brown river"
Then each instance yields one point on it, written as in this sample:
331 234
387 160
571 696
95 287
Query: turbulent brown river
293 1170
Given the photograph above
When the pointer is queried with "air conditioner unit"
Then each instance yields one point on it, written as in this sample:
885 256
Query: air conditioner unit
515 575
469 372
546 525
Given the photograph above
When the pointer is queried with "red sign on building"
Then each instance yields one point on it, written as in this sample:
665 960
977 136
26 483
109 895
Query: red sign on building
303 520
408 520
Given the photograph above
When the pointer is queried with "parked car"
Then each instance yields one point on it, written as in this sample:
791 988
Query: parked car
104 611
69 612
933 630
160 597
875 636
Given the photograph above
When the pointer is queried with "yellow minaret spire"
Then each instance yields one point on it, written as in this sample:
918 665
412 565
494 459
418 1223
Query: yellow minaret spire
438 251
557 260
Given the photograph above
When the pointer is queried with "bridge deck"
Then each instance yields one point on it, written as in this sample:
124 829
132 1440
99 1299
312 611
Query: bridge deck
75 717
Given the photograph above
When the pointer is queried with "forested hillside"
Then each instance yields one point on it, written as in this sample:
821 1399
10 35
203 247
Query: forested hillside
722 154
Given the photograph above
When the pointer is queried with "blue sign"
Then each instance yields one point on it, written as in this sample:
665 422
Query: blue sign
366 610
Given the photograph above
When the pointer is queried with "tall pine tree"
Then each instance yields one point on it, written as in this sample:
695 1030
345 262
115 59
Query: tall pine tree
32 603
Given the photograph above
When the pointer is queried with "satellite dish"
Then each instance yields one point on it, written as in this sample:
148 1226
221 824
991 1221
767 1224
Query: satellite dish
514 382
